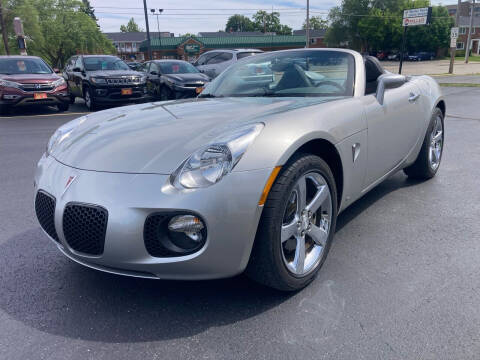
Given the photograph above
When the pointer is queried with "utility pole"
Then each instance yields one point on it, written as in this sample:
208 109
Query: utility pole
454 49
4 29
307 31
467 50
149 44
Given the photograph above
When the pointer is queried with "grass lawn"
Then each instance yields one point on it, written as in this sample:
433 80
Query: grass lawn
473 58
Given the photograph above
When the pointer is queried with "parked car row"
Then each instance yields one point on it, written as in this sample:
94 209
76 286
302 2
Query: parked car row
395 56
108 80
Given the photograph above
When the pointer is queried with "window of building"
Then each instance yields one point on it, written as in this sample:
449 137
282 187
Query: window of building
460 45
463 30
134 47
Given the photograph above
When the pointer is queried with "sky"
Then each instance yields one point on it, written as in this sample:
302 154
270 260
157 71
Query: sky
194 16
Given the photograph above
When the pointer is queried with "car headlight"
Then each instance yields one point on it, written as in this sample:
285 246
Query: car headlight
98 81
143 80
62 133
10 84
210 164
59 82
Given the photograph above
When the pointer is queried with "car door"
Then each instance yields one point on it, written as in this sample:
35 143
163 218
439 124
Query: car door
68 74
393 128
77 75
201 62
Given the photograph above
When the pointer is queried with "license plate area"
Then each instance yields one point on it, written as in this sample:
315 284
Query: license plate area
39 96
126 91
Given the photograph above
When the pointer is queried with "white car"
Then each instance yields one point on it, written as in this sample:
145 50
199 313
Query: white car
212 63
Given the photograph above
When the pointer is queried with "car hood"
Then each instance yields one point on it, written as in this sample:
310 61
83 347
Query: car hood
30 78
187 78
114 73
155 138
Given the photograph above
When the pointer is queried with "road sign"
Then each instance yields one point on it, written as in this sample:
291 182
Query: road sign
415 17
453 37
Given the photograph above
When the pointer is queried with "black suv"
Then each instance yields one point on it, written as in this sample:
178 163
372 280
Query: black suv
104 80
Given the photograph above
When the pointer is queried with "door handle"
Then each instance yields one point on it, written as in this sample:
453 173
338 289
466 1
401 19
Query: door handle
413 97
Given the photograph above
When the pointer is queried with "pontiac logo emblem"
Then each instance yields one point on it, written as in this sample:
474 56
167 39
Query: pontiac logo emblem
70 180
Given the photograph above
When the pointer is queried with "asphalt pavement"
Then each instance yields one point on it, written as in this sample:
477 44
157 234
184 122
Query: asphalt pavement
401 280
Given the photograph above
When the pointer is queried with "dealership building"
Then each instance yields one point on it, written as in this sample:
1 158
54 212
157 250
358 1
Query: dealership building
190 47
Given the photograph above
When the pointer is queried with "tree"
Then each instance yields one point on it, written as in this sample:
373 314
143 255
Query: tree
57 29
131 26
377 25
88 9
316 23
239 23
270 22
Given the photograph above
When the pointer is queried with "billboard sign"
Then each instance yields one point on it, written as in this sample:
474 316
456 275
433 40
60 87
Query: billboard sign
415 17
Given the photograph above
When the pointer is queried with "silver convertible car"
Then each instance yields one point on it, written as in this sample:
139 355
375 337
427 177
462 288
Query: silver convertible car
250 176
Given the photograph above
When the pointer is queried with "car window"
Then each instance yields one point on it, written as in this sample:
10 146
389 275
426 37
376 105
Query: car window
293 73
153 67
219 58
24 66
97 63
203 59
242 55
78 63
177 67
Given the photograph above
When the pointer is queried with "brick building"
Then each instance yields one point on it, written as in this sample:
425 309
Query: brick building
190 47
464 24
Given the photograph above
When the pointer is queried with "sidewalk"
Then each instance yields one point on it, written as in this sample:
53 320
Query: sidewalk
435 67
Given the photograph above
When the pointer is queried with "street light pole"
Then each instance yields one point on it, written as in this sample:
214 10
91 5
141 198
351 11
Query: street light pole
149 44
307 31
469 38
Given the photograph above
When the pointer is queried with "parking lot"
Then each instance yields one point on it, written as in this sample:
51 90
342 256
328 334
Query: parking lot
401 280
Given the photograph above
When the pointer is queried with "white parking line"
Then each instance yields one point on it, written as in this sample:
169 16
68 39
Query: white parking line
46 115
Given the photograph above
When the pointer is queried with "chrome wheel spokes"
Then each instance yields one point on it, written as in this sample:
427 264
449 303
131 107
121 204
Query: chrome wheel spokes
306 224
436 144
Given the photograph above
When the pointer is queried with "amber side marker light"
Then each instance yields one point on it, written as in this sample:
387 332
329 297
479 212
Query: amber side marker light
268 185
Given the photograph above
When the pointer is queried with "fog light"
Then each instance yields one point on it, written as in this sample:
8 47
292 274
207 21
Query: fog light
189 225
101 92
11 97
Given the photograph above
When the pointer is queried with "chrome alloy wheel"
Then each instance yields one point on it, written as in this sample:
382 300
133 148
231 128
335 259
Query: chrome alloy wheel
306 224
436 144
88 100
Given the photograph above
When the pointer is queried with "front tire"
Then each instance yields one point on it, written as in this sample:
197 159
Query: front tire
297 225
165 94
89 100
428 161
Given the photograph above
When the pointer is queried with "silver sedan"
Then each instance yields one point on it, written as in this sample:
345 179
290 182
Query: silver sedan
250 176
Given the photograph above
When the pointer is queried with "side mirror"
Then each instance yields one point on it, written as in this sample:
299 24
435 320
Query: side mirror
153 73
56 70
388 81
77 69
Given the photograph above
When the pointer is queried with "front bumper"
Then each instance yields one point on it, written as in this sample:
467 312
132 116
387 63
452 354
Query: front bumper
229 209
184 92
16 97
113 94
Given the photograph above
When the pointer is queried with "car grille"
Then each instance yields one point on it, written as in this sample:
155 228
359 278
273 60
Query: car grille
84 227
131 80
45 211
37 87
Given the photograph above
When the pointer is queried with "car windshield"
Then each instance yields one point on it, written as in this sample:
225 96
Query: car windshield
288 73
177 67
104 63
24 66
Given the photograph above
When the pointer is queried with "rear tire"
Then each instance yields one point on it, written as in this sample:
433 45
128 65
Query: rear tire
428 161
72 99
276 258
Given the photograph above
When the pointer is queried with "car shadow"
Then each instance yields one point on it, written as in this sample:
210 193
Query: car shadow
46 291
